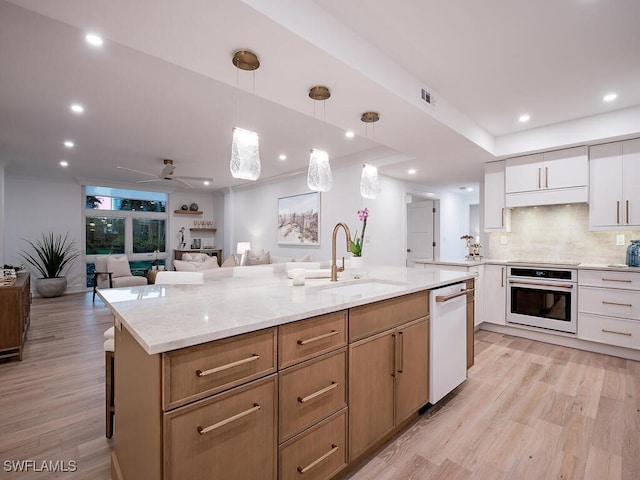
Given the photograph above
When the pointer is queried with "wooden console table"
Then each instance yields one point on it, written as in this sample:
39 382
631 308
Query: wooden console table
14 316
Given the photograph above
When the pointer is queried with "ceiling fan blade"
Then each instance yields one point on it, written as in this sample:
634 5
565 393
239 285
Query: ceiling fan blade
198 179
152 180
178 179
137 171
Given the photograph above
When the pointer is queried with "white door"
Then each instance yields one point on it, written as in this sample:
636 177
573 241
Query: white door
631 171
566 168
494 211
523 174
420 231
605 188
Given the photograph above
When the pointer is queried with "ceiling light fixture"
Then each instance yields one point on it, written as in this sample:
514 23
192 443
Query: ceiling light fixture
245 148
77 108
369 183
411 171
206 183
69 144
349 134
282 157
524 118
94 39
319 177
610 97
64 163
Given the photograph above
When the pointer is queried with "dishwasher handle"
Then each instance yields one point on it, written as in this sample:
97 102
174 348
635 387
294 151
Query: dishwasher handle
446 298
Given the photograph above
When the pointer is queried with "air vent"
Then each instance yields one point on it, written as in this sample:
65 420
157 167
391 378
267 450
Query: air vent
426 96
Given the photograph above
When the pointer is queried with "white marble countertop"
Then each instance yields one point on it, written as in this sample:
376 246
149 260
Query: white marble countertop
168 317
453 261
536 263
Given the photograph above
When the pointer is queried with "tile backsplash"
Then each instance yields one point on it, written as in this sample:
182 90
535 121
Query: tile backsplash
557 233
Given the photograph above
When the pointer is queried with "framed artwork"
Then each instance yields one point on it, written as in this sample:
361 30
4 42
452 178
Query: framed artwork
299 220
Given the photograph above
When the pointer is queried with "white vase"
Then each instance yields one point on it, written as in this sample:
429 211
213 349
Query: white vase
356 266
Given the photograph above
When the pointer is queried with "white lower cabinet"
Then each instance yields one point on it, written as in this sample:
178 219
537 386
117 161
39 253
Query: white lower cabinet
609 307
495 294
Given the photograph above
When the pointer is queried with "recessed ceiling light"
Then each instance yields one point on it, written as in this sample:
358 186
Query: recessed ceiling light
349 134
69 144
76 108
206 182
610 97
94 39
524 118
282 157
411 171
64 163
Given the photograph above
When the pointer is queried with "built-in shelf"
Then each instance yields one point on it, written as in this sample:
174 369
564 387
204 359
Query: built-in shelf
188 212
213 230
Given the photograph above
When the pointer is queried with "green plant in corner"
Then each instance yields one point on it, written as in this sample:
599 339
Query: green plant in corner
52 254
357 242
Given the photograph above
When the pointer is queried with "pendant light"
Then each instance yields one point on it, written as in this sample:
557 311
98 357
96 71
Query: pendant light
319 177
369 183
245 151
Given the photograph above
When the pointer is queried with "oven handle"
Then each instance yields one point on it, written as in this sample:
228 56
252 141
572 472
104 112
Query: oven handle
554 285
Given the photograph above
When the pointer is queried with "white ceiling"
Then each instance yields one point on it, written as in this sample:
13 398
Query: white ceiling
163 85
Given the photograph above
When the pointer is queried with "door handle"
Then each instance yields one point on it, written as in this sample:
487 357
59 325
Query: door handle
546 177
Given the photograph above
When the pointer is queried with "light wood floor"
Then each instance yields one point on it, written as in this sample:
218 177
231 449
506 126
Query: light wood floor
528 410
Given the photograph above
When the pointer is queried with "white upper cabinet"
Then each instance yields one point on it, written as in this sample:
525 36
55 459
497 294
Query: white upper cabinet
548 178
614 198
496 216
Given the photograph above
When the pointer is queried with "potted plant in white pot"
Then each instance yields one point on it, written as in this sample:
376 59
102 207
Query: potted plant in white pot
52 254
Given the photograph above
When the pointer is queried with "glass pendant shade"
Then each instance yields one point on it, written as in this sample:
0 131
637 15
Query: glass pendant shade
369 183
245 155
319 177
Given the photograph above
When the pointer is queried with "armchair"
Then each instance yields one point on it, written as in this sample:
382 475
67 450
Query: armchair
113 271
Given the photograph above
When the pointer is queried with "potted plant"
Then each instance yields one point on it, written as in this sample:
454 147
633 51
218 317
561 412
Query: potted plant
52 254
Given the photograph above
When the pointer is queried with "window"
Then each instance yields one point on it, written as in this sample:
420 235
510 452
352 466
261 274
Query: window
121 221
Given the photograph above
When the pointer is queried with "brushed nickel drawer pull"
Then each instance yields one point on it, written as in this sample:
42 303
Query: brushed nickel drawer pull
546 177
617 333
334 449
226 421
618 304
318 393
539 169
250 359
318 338
446 298
616 280
401 337
502 218
627 211
618 211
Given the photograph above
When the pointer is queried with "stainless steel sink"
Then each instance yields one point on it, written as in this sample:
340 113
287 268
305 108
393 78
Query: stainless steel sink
355 288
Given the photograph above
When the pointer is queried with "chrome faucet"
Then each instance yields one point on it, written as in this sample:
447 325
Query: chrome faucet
334 267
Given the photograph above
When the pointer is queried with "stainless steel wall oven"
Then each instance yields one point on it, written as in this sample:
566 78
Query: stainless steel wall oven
543 298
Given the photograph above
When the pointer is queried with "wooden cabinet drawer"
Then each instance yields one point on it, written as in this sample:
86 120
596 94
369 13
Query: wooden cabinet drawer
609 302
609 279
379 316
195 372
231 436
612 331
317 454
311 391
302 340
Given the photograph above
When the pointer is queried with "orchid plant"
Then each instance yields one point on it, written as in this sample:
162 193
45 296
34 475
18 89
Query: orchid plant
357 242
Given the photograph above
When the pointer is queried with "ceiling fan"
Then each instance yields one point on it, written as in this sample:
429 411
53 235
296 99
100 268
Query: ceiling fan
167 174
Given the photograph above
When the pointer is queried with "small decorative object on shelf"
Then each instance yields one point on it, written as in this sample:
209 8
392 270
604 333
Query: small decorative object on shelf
181 241
193 207
184 207
473 249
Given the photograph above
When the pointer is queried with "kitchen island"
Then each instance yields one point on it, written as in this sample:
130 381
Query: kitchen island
254 378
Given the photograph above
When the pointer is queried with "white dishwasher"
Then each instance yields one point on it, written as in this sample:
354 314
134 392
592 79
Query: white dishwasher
447 340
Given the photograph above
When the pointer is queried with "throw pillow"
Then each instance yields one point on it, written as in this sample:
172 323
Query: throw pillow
183 266
230 261
263 259
195 257
119 266
207 264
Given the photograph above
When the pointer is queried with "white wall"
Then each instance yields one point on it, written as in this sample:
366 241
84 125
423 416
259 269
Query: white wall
2 217
37 205
251 215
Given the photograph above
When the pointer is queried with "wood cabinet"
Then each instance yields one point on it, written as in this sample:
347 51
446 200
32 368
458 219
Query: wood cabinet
15 305
548 178
614 197
388 370
497 218
495 294
609 307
